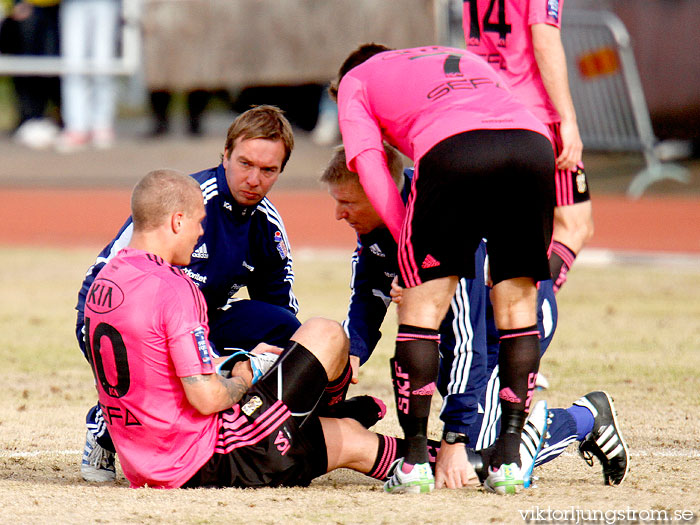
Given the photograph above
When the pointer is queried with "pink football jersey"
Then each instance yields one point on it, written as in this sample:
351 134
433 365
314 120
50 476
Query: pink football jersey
146 327
499 31
414 99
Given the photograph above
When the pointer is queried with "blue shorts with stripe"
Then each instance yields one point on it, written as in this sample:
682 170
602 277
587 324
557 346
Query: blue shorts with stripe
468 378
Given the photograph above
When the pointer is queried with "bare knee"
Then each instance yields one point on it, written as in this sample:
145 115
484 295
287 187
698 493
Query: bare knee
514 303
573 225
325 339
426 304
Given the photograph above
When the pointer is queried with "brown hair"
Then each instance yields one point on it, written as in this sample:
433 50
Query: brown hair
357 57
262 122
337 172
159 194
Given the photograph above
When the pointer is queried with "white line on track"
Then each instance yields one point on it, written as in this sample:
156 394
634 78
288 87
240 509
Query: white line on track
37 453
673 453
603 257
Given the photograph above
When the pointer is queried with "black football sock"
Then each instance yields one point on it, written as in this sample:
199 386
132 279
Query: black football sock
387 453
367 410
414 370
518 362
391 448
337 389
560 262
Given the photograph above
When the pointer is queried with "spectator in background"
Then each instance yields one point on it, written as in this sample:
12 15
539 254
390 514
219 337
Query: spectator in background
326 131
307 107
299 102
196 102
88 36
34 31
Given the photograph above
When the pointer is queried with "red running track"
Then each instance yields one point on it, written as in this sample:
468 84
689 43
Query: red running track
68 218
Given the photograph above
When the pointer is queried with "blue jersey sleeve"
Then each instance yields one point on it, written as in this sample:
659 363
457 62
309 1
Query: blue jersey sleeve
273 277
108 252
547 313
374 267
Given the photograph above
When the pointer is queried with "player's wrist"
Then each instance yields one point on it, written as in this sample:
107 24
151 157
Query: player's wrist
451 437
243 370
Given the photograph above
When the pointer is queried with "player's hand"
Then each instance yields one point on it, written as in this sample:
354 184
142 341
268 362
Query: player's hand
243 370
355 366
453 469
572 147
396 291
264 348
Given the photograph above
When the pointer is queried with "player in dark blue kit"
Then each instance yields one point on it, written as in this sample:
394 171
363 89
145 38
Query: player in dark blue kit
244 245
468 378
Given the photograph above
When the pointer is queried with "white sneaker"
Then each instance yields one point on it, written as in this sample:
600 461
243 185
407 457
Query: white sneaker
98 463
507 479
103 138
532 440
71 142
419 480
37 133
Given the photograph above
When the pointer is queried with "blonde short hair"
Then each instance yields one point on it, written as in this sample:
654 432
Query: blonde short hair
337 172
161 193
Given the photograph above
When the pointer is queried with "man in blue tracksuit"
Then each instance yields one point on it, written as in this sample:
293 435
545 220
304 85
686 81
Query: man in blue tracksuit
244 245
468 377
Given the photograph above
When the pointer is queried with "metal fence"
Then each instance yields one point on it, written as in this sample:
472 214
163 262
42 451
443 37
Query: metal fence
607 93
605 86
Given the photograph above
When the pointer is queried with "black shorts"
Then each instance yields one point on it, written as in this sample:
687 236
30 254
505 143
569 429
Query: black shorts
492 184
571 185
260 442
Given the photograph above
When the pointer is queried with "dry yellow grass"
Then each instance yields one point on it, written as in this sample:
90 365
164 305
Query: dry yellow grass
634 331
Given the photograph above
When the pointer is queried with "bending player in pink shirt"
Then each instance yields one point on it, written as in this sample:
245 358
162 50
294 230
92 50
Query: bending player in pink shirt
522 41
483 162
175 422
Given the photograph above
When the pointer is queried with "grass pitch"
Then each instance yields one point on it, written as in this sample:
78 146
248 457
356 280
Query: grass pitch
633 331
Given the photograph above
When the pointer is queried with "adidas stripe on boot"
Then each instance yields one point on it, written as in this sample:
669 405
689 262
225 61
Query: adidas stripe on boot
605 440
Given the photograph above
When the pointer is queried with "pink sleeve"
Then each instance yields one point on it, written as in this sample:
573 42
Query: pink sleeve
187 333
364 151
376 179
358 126
545 12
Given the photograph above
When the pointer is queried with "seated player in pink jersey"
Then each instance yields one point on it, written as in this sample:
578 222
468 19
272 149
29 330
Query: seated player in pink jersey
175 422
483 170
